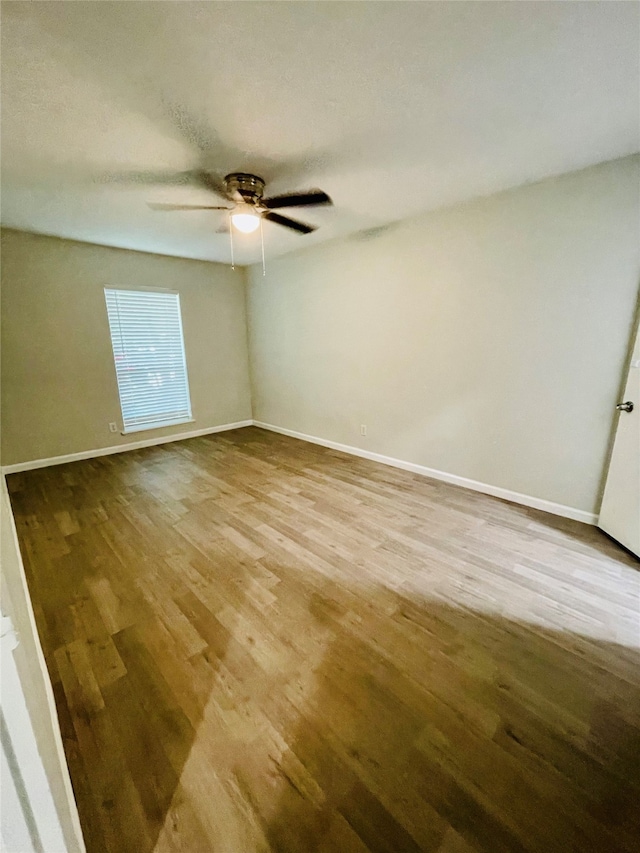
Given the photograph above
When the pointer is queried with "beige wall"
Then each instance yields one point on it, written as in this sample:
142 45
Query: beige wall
486 340
59 388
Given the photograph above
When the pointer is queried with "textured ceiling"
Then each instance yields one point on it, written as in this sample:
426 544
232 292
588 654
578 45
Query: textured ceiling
392 108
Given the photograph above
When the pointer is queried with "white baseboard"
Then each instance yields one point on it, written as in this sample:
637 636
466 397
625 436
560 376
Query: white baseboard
434 473
118 448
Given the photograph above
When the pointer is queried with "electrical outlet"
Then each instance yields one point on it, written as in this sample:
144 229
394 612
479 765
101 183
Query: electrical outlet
113 427
363 429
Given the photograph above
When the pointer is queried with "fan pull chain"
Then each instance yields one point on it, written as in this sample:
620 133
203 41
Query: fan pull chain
264 271
233 266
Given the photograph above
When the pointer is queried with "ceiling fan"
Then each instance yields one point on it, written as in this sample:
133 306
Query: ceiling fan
248 207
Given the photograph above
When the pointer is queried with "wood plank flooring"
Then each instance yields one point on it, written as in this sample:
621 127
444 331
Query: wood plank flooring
257 644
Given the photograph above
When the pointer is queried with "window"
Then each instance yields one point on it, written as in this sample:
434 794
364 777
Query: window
148 349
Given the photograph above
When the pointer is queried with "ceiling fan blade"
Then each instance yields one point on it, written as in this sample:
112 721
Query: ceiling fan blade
169 179
212 182
300 227
160 206
304 199
197 177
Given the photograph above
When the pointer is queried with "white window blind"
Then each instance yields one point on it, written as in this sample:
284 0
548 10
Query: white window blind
148 349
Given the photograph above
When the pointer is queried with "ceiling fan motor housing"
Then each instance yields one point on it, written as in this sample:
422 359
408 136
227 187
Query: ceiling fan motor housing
244 187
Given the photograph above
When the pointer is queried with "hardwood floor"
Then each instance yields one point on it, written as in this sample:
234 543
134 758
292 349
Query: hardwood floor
258 644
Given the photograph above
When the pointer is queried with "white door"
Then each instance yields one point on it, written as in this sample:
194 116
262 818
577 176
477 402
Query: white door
620 510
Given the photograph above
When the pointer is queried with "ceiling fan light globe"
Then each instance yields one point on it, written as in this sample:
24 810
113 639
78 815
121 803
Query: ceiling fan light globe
245 219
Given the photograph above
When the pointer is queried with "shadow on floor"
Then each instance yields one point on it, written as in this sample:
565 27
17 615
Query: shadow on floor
430 727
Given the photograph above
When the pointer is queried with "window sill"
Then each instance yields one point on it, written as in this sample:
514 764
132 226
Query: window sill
158 425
